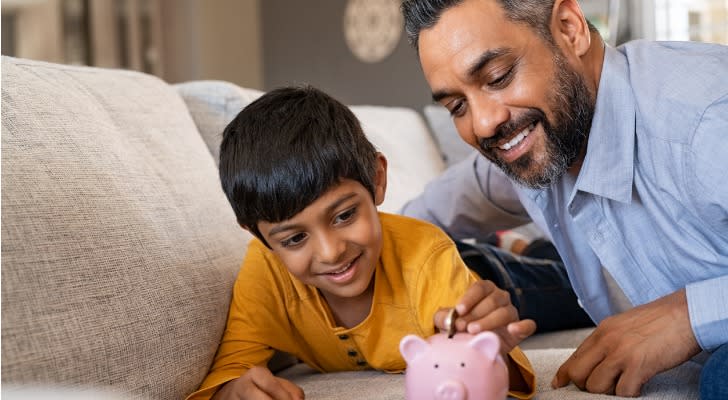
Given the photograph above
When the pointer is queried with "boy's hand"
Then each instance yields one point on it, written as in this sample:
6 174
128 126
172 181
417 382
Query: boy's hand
259 383
485 307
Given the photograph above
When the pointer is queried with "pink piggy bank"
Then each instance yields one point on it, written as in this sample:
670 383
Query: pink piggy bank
464 367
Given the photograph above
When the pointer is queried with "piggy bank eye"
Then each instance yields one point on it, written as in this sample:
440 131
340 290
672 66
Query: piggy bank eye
437 366
462 364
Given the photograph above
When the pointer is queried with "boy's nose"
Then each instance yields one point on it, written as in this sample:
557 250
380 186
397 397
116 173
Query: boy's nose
330 249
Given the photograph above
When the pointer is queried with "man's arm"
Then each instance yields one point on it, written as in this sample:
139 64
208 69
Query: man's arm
471 199
628 349
707 183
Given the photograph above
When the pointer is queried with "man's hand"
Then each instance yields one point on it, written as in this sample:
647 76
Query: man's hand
628 349
485 307
259 383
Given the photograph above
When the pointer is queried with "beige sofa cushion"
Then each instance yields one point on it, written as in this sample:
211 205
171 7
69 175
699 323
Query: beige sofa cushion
213 104
118 246
676 384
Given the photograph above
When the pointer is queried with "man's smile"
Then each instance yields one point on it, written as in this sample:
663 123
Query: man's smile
518 138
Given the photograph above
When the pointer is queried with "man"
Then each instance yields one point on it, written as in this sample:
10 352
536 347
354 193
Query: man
619 155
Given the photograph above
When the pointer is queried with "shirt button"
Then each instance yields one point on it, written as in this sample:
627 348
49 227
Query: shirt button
361 363
352 353
343 337
578 301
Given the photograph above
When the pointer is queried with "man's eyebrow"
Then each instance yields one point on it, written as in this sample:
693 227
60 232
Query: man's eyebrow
478 65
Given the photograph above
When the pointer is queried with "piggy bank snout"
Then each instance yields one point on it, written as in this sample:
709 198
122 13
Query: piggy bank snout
451 390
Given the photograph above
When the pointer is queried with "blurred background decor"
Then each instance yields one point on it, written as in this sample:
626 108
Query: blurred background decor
354 49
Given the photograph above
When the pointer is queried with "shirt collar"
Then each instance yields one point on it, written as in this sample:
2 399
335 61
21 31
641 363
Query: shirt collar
608 168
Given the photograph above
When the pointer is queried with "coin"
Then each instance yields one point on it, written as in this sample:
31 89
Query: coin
450 318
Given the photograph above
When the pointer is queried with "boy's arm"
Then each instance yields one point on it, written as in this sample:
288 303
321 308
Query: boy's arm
253 327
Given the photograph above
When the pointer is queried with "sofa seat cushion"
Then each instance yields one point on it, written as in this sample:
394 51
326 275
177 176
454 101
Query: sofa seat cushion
678 383
119 249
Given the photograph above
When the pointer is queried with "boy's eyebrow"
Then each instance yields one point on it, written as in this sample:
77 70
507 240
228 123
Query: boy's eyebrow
479 63
280 228
329 209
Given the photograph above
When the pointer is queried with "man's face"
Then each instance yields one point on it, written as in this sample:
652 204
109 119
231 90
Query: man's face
512 96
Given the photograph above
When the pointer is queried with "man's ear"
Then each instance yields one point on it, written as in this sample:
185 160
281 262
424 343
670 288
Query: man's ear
569 27
380 179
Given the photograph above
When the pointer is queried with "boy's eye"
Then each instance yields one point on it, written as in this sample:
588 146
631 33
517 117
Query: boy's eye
345 216
293 240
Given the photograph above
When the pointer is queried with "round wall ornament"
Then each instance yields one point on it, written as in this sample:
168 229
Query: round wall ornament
372 28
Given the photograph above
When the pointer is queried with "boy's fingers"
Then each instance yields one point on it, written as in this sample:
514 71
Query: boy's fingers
522 329
439 318
267 383
498 318
474 295
294 390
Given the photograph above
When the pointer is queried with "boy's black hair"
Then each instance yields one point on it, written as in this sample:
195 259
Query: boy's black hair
285 149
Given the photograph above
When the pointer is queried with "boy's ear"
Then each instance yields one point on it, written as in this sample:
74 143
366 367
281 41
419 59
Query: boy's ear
380 179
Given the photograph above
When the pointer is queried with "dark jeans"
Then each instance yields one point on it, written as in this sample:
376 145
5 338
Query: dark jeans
714 376
539 287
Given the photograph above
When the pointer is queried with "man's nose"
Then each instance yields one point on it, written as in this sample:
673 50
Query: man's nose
487 115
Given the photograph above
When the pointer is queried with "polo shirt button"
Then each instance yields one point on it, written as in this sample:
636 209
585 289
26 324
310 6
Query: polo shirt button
352 353
343 337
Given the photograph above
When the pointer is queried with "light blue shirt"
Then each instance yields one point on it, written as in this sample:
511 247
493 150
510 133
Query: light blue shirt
650 203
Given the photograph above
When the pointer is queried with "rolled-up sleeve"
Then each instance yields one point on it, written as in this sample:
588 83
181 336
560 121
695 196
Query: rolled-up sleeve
708 309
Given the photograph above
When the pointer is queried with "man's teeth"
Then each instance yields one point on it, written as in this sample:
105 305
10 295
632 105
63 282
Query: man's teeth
513 142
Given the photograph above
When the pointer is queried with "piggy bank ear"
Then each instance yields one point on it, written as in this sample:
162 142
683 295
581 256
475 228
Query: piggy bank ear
487 343
412 346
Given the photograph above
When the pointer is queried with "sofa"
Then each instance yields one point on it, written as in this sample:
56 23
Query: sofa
119 249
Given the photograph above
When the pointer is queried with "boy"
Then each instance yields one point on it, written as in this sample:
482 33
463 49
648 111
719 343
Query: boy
329 279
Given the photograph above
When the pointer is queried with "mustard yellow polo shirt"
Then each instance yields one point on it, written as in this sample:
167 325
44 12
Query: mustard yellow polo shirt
418 272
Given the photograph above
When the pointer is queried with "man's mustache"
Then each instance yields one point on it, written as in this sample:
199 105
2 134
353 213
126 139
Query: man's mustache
508 128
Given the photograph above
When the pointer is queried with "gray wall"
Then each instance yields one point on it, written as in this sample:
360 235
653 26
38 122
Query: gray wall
303 42
213 39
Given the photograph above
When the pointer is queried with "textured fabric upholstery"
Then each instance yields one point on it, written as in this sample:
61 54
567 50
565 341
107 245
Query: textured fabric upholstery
401 134
676 384
213 104
118 246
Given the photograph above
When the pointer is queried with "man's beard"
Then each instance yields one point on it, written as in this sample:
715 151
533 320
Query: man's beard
573 108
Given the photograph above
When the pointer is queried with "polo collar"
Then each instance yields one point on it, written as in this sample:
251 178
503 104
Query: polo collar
608 168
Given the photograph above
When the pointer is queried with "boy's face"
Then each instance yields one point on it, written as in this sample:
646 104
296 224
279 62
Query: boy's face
335 242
